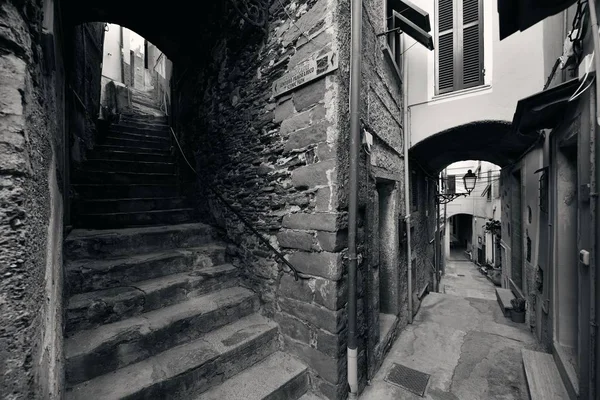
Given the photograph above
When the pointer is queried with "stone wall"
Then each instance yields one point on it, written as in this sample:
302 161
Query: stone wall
31 173
275 160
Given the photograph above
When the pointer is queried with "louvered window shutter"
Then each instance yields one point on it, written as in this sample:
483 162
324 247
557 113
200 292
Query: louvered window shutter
445 45
472 66
459 45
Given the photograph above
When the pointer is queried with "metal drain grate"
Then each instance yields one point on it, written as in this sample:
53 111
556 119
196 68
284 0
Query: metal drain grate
408 378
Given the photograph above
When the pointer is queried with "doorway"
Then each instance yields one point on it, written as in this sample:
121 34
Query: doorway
461 236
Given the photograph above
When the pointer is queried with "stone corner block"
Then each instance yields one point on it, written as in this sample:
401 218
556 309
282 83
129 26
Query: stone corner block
309 95
323 264
319 174
328 222
300 240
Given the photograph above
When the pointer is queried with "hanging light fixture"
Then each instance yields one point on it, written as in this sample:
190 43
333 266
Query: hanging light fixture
469 180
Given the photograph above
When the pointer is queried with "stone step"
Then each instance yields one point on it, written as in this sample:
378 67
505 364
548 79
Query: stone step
142 126
128 205
144 119
87 275
92 309
88 175
139 134
130 156
137 143
123 191
129 149
504 296
310 396
183 371
279 376
130 166
92 353
114 243
543 379
132 219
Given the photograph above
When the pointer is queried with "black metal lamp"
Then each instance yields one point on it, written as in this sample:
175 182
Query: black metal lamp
469 180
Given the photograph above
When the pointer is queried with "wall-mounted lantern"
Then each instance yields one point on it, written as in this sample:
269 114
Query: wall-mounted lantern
469 180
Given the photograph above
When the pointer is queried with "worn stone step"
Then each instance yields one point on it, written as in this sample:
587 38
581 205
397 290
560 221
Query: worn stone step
141 118
130 166
504 296
183 371
137 143
131 219
95 352
143 150
123 191
130 156
143 126
139 134
543 379
88 275
88 175
97 206
278 377
92 309
114 243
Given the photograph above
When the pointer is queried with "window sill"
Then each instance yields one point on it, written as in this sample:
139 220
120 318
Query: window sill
387 52
459 93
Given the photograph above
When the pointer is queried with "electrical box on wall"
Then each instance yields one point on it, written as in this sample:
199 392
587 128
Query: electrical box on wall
584 257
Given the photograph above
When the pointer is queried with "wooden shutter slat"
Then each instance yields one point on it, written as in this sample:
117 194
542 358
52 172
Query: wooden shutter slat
445 46
470 11
472 73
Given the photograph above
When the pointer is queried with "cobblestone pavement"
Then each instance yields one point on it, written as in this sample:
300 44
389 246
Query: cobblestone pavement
463 340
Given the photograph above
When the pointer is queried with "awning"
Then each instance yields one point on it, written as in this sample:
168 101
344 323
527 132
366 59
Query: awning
518 15
543 110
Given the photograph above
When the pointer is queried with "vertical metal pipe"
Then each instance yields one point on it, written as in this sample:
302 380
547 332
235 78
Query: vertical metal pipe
593 232
438 251
407 219
594 106
355 83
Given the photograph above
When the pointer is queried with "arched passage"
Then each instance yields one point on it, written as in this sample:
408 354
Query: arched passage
492 141
177 28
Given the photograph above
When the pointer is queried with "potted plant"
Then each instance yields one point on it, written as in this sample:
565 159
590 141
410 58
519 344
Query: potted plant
517 314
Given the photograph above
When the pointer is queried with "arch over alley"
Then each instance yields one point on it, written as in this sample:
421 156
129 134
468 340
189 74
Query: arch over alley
492 141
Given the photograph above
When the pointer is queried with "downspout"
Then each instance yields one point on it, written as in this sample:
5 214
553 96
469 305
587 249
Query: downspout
438 251
594 257
407 219
121 55
594 106
355 81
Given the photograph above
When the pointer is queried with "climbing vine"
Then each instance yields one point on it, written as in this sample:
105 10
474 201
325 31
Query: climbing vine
255 12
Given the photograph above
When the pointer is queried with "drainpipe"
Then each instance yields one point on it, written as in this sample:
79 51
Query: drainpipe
355 80
438 252
593 216
407 186
594 106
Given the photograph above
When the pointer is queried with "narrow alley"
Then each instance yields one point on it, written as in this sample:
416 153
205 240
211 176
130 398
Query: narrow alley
462 339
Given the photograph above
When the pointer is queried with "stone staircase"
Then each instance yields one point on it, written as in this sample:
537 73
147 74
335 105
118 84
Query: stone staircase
156 309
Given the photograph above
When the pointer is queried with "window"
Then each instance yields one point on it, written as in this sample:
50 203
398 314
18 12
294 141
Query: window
414 191
459 55
451 184
544 192
394 39
489 179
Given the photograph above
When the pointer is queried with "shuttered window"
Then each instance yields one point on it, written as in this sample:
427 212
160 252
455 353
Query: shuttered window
459 56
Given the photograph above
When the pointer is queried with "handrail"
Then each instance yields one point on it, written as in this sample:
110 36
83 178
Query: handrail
278 255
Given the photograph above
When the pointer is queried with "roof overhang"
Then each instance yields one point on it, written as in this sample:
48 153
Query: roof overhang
543 110
518 15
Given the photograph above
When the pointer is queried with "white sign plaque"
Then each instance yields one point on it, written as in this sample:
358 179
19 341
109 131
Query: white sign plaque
306 71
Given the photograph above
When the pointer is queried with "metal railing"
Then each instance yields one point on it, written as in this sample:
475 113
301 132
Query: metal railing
219 196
